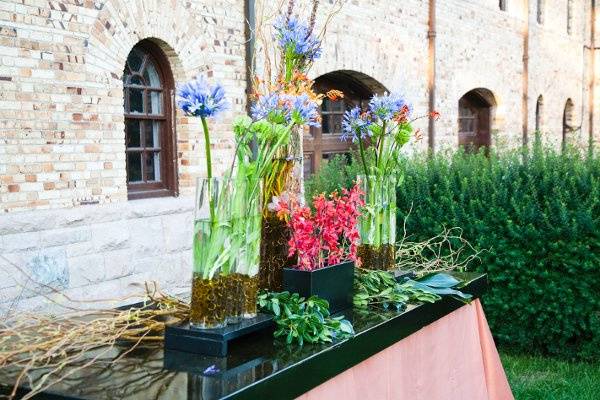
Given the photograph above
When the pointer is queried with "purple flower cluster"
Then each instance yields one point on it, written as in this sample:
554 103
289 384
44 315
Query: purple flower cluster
386 106
285 108
295 36
198 99
355 125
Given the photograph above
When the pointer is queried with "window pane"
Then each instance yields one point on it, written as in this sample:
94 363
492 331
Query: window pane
134 167
154 102
136 80
135 60
329 105
152 166
132 129
136 101
152 134
151 75
335 123
325 124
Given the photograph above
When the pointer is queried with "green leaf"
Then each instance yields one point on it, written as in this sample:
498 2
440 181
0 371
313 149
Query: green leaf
440 280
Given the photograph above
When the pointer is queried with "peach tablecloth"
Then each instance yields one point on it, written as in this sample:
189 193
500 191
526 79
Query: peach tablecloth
453 358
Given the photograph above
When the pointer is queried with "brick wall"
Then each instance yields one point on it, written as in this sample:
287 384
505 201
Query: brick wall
65 219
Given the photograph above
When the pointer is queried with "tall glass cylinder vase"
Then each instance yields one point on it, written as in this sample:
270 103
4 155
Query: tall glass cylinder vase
246 237
377 225
212 253
275 232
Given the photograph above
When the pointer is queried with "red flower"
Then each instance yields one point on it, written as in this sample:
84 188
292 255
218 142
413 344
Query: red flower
329 235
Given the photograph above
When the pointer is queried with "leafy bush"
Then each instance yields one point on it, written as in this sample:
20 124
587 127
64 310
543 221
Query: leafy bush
339 172
538 216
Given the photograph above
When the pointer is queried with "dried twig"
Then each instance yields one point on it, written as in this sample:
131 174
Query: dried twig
448 251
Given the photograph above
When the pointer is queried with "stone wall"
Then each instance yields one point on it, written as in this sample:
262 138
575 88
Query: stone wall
65 219
96 252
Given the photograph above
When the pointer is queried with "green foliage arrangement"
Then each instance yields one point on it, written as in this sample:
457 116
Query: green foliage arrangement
379 288
303 320
537 215
375 288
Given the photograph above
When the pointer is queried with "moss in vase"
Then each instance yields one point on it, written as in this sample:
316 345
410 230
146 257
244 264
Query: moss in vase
379 258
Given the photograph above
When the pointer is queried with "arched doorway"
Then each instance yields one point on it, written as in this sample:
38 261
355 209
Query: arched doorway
567 123
474 119
321 144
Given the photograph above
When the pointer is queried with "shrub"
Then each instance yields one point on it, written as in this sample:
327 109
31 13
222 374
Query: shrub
340 172
538 216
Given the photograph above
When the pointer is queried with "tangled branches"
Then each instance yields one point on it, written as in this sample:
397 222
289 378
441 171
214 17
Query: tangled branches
43 349
448 251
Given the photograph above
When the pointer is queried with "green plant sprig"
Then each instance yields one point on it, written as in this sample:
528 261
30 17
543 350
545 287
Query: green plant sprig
303 320
380 289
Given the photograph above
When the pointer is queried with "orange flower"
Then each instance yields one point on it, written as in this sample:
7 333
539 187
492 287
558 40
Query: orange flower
334 95
401 116
434 115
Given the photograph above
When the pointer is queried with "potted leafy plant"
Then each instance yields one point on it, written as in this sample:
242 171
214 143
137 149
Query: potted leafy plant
325 243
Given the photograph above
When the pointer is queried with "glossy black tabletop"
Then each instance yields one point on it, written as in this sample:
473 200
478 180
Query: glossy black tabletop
256 368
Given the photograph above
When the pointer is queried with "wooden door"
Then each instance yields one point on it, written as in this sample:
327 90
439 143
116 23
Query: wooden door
474 120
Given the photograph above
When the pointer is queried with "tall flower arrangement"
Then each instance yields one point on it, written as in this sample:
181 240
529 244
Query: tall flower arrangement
288 100
380 130
212 261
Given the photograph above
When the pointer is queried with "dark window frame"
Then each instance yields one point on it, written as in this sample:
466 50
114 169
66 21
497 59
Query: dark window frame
168 183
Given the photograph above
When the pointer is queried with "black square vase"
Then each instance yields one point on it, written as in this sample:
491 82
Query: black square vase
333 283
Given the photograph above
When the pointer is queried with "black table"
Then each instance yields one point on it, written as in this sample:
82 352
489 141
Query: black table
256 368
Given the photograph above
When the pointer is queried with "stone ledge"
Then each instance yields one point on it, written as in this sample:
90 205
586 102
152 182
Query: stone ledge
41 220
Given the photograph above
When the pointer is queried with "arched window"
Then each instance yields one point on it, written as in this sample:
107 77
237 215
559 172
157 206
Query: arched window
474 119
540 11
567 124
325 142
569 16
149 137
539 109
502 5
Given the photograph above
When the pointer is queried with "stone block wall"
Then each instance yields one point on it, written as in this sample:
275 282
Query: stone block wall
100 252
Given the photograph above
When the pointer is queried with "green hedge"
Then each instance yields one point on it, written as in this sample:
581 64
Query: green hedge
538 218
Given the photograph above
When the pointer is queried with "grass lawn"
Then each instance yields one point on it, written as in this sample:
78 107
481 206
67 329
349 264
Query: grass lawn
544 378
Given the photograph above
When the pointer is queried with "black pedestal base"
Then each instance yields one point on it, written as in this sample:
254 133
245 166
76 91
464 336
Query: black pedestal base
212 342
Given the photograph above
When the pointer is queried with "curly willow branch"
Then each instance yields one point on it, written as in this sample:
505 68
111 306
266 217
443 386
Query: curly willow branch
43 350
448 251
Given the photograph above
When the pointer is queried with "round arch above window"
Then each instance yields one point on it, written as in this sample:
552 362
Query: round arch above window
148 88
321 144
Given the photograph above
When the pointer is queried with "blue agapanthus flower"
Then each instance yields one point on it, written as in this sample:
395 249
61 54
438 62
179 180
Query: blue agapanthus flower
386 106
284 108
268 106
294 35
197 98
355 124
303 111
